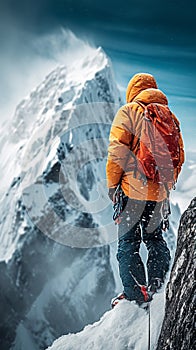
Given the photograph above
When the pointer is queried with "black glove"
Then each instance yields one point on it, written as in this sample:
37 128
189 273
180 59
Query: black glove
111 193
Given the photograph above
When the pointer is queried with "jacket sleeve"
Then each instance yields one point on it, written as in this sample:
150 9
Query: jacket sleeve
119 146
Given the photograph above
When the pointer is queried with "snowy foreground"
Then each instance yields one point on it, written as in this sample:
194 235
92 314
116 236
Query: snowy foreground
123 328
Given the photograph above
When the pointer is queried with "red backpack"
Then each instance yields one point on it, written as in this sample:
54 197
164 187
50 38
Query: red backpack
158 153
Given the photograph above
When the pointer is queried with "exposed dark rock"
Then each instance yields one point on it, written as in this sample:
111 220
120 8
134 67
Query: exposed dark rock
178 329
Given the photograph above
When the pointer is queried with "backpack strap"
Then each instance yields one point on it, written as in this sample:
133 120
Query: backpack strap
138 142
143 105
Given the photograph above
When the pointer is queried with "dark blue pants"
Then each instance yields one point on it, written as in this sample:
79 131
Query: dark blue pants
141 220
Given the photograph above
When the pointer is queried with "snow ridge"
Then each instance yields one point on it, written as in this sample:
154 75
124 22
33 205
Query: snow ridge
123 328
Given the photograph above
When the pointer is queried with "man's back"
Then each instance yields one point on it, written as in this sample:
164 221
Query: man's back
125 133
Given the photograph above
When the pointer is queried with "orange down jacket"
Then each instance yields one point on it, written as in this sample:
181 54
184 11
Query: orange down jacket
124 134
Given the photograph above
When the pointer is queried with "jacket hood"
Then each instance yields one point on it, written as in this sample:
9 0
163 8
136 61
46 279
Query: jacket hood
151 96
138 83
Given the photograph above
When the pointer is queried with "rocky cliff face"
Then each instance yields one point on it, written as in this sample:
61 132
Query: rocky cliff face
55 267
178 329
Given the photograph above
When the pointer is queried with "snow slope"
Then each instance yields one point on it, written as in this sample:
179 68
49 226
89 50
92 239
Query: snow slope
123 328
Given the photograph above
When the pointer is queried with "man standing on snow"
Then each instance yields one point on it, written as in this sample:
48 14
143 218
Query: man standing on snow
141 218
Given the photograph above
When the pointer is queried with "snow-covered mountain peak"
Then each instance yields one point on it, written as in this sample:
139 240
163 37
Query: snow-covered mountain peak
84 69
62 86
63 125
83 80
60 112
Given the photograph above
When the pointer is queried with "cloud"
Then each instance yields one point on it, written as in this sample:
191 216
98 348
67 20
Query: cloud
27 59
62 47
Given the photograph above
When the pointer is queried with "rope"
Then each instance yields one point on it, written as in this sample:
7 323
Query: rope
149 335
145 294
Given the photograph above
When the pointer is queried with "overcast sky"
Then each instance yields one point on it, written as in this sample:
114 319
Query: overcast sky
154 36
166 22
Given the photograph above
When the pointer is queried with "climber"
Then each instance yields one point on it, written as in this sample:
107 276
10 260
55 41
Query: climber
144 196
